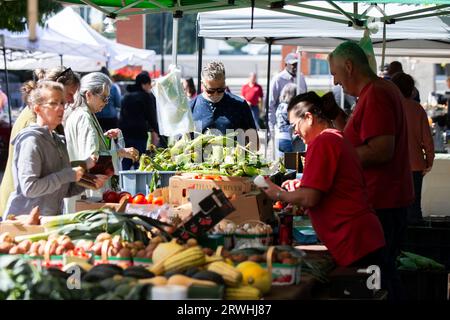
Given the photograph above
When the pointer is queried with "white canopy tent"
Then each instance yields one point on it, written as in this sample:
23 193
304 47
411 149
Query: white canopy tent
425 37
72 26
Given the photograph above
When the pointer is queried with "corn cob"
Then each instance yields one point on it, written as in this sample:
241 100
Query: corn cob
230 275
191 257
242 293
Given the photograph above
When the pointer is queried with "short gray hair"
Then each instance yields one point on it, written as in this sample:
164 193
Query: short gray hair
352 51
214 70
95 82
288 92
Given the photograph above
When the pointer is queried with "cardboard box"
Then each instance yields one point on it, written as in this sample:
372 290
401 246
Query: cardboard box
17 228
252 206
180 185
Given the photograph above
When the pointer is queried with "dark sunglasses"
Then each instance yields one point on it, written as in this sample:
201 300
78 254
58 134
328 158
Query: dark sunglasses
211 90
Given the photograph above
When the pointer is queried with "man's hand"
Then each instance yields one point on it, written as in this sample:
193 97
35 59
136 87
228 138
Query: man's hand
129 153
426 170
291 185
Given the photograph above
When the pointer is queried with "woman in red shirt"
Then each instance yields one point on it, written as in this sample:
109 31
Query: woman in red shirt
332 186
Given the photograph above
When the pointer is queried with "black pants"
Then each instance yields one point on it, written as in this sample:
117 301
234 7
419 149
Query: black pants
415 210
394 222
108 123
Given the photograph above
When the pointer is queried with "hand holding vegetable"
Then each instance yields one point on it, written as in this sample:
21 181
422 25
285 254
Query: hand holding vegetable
79 171
130 153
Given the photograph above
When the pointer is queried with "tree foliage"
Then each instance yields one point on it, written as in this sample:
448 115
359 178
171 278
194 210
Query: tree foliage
13 13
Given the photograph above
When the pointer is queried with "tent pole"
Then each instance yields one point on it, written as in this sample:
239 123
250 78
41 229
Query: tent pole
161 40
269 57
176 19
61 59
7 82
200 63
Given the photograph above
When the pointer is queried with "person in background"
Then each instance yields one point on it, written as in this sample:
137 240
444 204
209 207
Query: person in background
420 141
138 115
108 117
71 82
3 101
332 188
252 92
288 75
41 168
396 67
189 88
85 137
217 109
378 131
283 130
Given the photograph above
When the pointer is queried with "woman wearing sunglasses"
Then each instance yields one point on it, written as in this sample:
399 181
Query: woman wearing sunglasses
85 137
42 172
71 82
216 108
332 188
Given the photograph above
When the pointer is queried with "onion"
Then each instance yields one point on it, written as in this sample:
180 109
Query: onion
260 181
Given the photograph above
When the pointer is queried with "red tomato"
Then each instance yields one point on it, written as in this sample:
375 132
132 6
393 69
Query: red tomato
126 194
159 201
111 196
149 198
278 205
139 199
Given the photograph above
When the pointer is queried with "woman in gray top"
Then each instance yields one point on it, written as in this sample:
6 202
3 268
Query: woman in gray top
42 172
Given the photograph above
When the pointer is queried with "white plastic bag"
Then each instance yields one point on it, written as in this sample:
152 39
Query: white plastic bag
173 112
117 163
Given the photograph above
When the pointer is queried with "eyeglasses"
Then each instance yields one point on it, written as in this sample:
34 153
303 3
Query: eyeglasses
105 99
55 105
63 73
213 90
296 124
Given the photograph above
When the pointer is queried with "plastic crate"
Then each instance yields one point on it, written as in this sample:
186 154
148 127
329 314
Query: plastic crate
134 181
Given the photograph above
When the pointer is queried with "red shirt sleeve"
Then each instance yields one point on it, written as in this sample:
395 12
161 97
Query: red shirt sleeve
379 117
321 163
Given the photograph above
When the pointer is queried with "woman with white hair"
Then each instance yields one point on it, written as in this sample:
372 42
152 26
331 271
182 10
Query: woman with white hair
85 137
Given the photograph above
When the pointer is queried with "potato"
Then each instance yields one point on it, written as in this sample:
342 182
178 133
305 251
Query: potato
139 245
14 250
102 237
97 248
156 240
61 239
124 253
117 243
6 237
87 245
140 253
52 249
256 258
60 250
289 261
41 249
67 244
34 218
5 247
25 245
283 255
133 252
112 252
34 248
149 254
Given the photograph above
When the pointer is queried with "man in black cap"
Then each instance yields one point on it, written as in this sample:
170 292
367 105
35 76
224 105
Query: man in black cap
288 75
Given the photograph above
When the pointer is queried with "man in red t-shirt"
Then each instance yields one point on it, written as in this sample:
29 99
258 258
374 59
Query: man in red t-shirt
377 129
252 92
